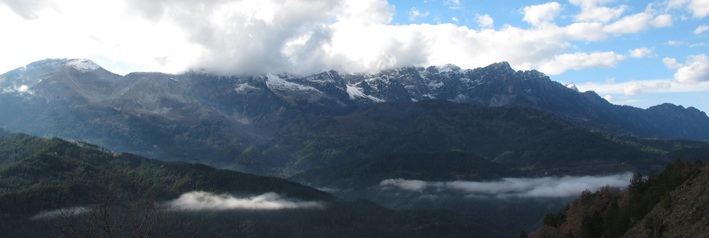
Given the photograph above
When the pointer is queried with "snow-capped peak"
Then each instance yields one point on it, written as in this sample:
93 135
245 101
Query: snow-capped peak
83 65
571 86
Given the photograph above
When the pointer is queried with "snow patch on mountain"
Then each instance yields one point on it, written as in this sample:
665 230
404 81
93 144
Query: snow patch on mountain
274 82
244 87
435 85
572 86
356 92
83 65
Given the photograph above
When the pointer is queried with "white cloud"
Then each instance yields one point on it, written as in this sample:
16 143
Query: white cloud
589 31
701 29
662 21
484 21
695 70
699 8
673 4
630 24
675 43
592 12
452 4
73 211
414 13
537 14
298 36
455 19
564 62
27 9
640 52
549 187
671 63
637 87
200 201
608 98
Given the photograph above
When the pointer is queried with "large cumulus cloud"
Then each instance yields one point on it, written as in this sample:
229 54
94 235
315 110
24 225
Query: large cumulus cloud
304 36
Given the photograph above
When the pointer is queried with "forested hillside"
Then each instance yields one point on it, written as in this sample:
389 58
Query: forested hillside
38 175
522 139
668 204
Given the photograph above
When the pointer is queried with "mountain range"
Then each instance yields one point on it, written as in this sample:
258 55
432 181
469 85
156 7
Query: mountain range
284 124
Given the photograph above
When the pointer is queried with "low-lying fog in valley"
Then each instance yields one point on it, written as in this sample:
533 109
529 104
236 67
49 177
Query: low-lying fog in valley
206 201
544 187
513 204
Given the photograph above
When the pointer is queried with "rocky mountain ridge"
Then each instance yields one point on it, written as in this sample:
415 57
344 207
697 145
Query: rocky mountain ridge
260 123
262 98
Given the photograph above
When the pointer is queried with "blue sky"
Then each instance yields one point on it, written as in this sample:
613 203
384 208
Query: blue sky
639 53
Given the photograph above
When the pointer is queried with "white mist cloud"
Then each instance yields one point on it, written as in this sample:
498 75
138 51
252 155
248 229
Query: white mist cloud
199 201
549 187
205 201
73 211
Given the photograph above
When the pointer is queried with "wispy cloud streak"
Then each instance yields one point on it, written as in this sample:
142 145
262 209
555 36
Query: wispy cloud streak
205 201
546 187
199 201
